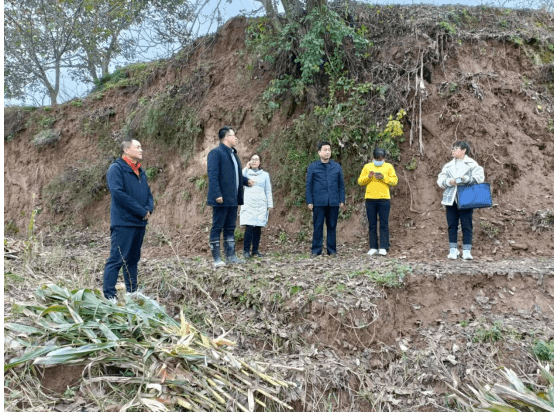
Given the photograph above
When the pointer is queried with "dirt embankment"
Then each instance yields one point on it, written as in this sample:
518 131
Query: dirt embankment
486 92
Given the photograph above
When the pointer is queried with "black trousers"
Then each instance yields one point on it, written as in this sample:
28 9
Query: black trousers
329 215
126 242
381 208
252 236
224 219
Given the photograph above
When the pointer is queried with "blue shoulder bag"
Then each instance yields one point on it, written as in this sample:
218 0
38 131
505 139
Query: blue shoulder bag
474 196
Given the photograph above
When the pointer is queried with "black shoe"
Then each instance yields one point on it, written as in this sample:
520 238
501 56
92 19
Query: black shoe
246 254
257 254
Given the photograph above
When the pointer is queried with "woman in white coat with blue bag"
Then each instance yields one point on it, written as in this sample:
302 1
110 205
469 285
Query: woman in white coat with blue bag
461 170
258 201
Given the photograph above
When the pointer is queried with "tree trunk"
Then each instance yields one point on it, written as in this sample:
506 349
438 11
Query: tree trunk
53 94
105 65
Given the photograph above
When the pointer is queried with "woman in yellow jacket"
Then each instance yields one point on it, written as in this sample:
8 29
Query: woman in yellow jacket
378 176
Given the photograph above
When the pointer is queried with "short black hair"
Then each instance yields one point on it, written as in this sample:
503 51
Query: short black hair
125 144
462 145
379 153
224 131
321 144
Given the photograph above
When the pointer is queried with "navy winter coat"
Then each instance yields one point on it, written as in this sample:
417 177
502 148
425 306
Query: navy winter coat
223 177
131 196
324 184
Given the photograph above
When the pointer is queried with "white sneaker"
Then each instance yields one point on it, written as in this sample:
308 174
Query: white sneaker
372 252
467 255
383 252
454 252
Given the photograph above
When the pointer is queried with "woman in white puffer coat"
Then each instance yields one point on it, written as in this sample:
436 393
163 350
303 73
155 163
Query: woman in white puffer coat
461 170
258 201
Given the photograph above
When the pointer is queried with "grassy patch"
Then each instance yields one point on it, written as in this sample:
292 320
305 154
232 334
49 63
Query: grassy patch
132 75
77 187
544 350
239 235
10 227
11 278
168 120
489 333
97 125
151 172
389 277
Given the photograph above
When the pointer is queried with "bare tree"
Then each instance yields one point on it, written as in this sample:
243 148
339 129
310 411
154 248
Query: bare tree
128 29
39 36
45 38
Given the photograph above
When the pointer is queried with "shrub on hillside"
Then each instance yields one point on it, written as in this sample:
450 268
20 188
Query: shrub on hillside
46 137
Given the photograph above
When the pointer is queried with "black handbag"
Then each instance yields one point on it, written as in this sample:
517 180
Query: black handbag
474 196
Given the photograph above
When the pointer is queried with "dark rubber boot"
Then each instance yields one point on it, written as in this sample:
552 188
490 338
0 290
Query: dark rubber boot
230 256
216 253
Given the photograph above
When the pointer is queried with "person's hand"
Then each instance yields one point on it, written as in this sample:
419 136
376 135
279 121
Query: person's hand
341 205
147 216
453 182
379 176
251 183
219 200
248 165
311 207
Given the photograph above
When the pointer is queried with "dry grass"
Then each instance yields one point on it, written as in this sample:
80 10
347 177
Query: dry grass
263 307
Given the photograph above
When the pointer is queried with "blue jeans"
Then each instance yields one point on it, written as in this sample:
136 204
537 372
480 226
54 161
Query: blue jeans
126 242
329 215
224 218
381 208
455 215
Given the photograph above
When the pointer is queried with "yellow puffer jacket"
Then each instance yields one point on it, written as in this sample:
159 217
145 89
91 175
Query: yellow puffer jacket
378 189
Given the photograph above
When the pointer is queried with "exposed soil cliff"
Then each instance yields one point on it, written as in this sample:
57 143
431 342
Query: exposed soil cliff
489 93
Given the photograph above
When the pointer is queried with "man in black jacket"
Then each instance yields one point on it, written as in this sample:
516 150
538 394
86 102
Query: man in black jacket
225 194
325 194
131 206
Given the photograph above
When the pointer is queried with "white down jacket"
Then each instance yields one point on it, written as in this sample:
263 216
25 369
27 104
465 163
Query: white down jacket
257 199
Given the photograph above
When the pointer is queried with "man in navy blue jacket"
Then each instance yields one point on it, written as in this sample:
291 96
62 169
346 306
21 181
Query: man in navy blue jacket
131 206
324 195
225 194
